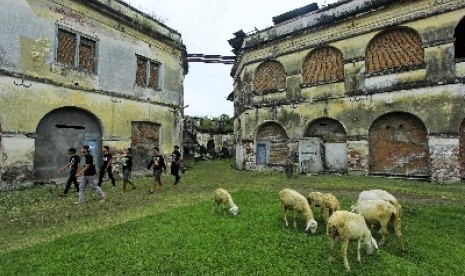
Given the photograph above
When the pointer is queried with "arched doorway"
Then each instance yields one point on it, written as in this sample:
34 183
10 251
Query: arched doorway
459 41
60 130
398 145
271 144
325 140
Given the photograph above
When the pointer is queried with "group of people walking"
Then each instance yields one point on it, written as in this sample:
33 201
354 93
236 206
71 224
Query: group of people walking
156 163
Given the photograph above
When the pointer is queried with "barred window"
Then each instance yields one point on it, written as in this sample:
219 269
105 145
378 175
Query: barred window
76 51
147 73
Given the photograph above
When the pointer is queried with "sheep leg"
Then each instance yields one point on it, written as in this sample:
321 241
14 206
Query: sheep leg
384 232
397 227
285 216
295 219
331 246
359 258
325 212
345 245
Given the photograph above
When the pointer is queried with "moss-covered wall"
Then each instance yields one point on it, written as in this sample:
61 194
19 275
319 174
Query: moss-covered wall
431 91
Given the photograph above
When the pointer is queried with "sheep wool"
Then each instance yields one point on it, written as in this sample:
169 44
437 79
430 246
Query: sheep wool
344 226
380 194
326 201
297 203
381 212
222 197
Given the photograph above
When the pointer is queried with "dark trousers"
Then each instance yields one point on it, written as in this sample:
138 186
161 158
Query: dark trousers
175 171
71 179
102 173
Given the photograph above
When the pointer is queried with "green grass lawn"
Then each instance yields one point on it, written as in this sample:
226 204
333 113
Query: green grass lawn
175 231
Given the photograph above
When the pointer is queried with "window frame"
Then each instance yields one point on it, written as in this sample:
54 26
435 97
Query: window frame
148 71
77 44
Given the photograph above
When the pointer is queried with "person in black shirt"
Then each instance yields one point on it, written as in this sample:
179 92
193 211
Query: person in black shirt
157 162
89 177
106 167
73 166
175 162
126 166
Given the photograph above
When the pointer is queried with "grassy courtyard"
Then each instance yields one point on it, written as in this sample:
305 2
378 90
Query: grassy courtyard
175 232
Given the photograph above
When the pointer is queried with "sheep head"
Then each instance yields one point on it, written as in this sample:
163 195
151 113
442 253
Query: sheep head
370 246
311 225
234 210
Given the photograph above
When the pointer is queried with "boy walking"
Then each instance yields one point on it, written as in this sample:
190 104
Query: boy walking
157 162
73 166
89 177
106 167
126 166
175 162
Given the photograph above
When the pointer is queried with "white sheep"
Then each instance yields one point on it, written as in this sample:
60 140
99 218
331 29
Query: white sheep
381 212
222 197
379 194
344 226
292 200
326 201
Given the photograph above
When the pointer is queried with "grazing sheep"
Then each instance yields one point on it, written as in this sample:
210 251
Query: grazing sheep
379 194
380 212
343 226
296 202
327 202
222 197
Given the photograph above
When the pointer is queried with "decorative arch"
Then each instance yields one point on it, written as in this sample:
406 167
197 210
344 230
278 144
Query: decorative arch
397 49
330 136
459 40
323 65
61 129
329 130
398 145
271 144
270 76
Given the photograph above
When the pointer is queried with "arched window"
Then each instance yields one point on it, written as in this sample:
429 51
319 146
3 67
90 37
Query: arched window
459 42
269 77
323 65
397 50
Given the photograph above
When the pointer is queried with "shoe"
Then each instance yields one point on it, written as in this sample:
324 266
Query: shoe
62 194
150 192
103 199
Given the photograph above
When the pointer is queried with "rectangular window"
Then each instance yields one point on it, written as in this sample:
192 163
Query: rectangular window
141 74
154 69
76 51
148 73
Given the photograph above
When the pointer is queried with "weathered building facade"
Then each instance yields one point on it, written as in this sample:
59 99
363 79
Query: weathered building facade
359 86
91 72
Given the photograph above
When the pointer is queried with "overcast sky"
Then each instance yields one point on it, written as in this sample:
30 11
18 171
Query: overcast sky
205 27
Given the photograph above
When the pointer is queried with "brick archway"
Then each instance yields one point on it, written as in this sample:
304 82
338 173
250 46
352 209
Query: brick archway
270 76
398 145
271 144
323 65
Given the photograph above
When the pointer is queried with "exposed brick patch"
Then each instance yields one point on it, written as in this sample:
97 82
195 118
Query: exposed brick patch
398 145
144 136
154 68
270 76
323 65
394 49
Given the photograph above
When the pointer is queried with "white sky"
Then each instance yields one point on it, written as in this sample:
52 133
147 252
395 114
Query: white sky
205 27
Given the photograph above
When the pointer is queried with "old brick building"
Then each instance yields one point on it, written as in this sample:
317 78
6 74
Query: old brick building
91 72
359 86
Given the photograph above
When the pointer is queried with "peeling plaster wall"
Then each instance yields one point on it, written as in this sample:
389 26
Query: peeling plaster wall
431 91
33 83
